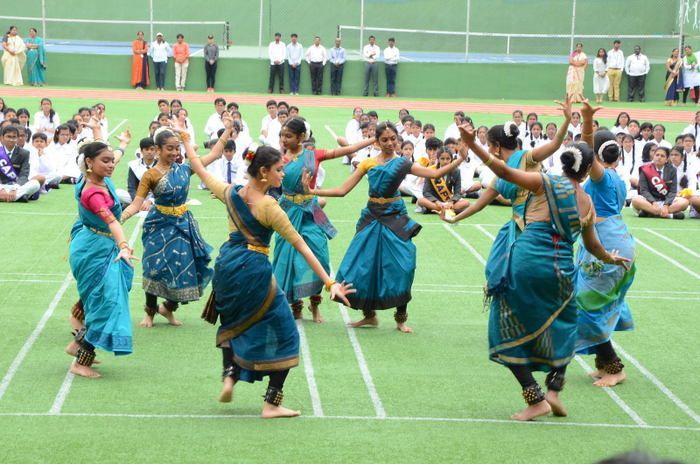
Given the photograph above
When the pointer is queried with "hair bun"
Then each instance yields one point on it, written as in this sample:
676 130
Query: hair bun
514 131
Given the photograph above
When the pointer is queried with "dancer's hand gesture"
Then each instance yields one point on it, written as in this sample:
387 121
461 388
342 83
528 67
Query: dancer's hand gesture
587 111
450 219
565 106
305 181
614 258
127 255
339 292
468 133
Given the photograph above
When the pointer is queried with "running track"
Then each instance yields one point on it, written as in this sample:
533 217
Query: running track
655 115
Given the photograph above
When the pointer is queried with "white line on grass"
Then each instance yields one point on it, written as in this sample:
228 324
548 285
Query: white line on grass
467 420
68 380
115 128
309 371
485 232
17 362
673 242
333 134
466 244
615 397
669 259
652 378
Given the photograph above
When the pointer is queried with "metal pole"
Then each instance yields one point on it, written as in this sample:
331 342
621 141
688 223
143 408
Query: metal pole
466 40
362 24
43 19
150 20
573 25
681 26
260 29
508 45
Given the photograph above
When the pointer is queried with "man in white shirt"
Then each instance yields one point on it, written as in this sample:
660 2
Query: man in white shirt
615 63
637 68
295 52
214 123
316 57
160 50
391 61
370 53
452 130
271 106
277 52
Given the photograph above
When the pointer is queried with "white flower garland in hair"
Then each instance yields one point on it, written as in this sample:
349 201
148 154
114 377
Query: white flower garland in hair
604 146
506 128
160 130
578 157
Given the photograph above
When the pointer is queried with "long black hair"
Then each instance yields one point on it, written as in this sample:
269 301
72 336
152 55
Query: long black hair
263 157
497 135
52 113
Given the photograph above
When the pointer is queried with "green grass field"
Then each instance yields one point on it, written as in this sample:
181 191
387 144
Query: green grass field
371 395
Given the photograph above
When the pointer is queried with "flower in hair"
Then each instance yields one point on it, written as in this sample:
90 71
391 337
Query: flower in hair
604 146
578 157
250 153
506 128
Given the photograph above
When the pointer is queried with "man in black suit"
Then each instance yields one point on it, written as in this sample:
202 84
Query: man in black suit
658 189
15 184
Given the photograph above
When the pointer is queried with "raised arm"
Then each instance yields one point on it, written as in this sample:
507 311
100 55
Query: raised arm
531 181
348 149
215 186
429 173
341 191
543 152
587 113
218 147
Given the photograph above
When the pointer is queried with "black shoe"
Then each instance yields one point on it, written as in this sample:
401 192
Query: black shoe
678 216
643 214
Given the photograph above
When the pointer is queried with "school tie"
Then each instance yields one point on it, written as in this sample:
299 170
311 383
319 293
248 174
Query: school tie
228 172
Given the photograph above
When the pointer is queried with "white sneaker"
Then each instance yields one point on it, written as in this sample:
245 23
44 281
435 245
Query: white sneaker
419 209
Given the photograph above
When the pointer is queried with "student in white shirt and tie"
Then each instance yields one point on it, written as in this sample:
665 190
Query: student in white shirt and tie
391 61
370 53
277 52
316 57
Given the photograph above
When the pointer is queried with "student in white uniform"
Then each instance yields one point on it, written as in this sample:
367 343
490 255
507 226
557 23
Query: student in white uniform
575 124
271 107
214 122
452 130
659 136
520 122
274 128
535 137
42 165
46 120
63 155
623 119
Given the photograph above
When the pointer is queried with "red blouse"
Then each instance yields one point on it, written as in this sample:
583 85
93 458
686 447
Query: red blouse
99 202
319 155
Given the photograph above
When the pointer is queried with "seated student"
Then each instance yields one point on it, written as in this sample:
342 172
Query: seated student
226 167
409 185
294 113
629 164
271 115
138 167
15 184
42 165
403 112
443 192
575 124
452 130
659 136
468 187
534 138
64 154
517 116
645 135
428 132
552 165
274 128
451 145
214 122
658 189
236 114
686 174
163 108
406 122
416 135
368 130
23 117
530 119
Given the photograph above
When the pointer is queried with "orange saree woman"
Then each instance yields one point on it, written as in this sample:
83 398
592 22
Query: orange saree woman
139 65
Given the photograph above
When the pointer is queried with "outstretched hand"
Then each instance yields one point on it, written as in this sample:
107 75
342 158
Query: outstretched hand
125 137
468 133
565 106
306 181
339 292
615 258
127 255
447 217
587 111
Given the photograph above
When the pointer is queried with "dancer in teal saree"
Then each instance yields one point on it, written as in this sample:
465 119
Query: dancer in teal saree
533 325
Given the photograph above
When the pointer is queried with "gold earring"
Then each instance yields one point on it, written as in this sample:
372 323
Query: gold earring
89 170
264 179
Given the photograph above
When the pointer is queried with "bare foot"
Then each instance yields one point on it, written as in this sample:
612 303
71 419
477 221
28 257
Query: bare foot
226 395
597 374
72 348
166 313
75 323
271 411
610 380
400 326
536 410
316 315
558 409
372 322
84 371
147 321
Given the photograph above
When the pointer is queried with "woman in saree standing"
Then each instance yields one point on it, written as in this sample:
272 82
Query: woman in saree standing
100 260
36 59
534 327
600 287
257 335
381 258
13 58
576 74
674 78
175 255
140 77
296 279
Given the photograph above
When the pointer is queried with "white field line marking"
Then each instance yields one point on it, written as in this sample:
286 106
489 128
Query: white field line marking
63 392
309 371
669 259
333 134
615 397
652 378
672 242
485 232
115 129
467 420
17 362
466 244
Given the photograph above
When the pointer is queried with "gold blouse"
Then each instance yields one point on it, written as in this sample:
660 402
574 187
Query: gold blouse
538 208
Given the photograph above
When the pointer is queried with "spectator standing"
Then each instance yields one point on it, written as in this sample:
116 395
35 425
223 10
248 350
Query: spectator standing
337 60
36 58
576 74
211 58
601 83
370 53
616 61
160 51
181 53
277 53
295 53
391 62
13 58
140 77
691 74
316 57
637 68
674 78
